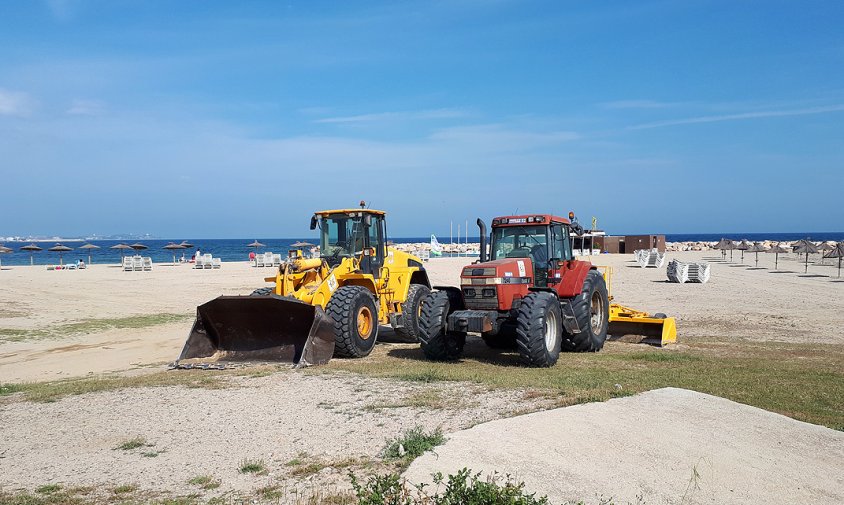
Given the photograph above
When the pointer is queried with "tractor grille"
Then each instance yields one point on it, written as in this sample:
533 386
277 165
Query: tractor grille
480 296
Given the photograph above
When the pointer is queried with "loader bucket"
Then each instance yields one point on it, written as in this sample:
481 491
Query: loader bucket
258 328
657 329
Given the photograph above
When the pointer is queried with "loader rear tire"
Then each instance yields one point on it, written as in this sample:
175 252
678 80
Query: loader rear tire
354 318
436 341
592 311
263 292
539 329
411 310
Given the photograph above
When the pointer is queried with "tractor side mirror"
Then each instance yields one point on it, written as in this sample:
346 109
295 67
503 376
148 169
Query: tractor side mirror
313 222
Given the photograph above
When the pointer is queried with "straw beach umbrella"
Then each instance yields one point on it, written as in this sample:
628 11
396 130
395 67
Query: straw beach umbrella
837 252
743 246
89 247
32 248
757 248
823 248
256 245
61 249
777 250
122 247
173 248
806 247
138 246
4 250
723 245
301 244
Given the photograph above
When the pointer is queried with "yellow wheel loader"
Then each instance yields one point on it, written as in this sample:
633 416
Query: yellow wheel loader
318 307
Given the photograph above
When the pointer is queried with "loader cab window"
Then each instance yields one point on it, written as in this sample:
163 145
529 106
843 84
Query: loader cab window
341 236
376 237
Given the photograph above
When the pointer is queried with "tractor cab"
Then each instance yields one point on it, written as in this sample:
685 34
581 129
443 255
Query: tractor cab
544 239
352 233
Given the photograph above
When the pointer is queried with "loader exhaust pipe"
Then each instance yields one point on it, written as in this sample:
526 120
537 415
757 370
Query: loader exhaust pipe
482 227
258 328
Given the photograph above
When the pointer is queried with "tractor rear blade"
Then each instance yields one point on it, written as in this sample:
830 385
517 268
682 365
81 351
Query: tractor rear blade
656 329
258 328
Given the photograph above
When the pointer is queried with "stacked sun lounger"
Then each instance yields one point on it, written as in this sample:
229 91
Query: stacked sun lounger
678 271
649 258
137 264
207 262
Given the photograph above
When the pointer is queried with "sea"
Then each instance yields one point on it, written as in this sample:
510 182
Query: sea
238 249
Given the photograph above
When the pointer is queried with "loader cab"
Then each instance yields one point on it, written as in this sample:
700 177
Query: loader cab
353 234
546 242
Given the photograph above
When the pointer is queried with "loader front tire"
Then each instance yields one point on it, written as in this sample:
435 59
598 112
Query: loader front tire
436 341
354 318
539 329
411 310
592 311
262 292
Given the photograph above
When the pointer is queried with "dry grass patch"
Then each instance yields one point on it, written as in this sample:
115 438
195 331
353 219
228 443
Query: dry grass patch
88 326
803 381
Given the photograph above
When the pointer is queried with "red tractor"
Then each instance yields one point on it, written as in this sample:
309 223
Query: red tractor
531 294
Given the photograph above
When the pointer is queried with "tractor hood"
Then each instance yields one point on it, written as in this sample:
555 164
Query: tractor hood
507 268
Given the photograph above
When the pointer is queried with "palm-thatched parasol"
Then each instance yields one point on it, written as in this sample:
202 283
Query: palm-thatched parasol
32 248
4 250
723 245
837 252
173 248
256 245
824 248
743 246
122 248
806 247
89 247
138 246
61 249
777 250
301 244
756 248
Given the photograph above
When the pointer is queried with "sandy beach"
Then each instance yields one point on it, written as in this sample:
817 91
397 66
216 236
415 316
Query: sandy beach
65 324
739 302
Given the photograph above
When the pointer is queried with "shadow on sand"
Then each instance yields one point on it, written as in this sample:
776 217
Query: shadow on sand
475 350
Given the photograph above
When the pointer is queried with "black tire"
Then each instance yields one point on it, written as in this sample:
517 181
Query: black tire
593 333
539 330
504 339
437 343
263 292
347 310
411 310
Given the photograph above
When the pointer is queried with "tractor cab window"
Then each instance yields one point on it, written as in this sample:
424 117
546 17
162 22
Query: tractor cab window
341 236
520 242
560 242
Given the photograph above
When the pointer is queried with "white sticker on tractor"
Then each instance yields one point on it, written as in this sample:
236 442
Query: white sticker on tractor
521 268
390 257
332 283
508 274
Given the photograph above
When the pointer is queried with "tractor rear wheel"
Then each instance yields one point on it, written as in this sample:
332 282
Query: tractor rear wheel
411 309
592 311
436 341
354 317
539 329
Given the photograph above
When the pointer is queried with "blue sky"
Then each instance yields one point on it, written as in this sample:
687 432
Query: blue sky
238 119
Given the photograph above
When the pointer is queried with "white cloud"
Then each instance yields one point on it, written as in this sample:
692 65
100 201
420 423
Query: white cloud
86 108
635 104
741 116
15 103
497 137
394 116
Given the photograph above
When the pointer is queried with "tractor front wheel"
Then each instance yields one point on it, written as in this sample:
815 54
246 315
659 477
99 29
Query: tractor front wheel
592 311
436 341
354 317
539 329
